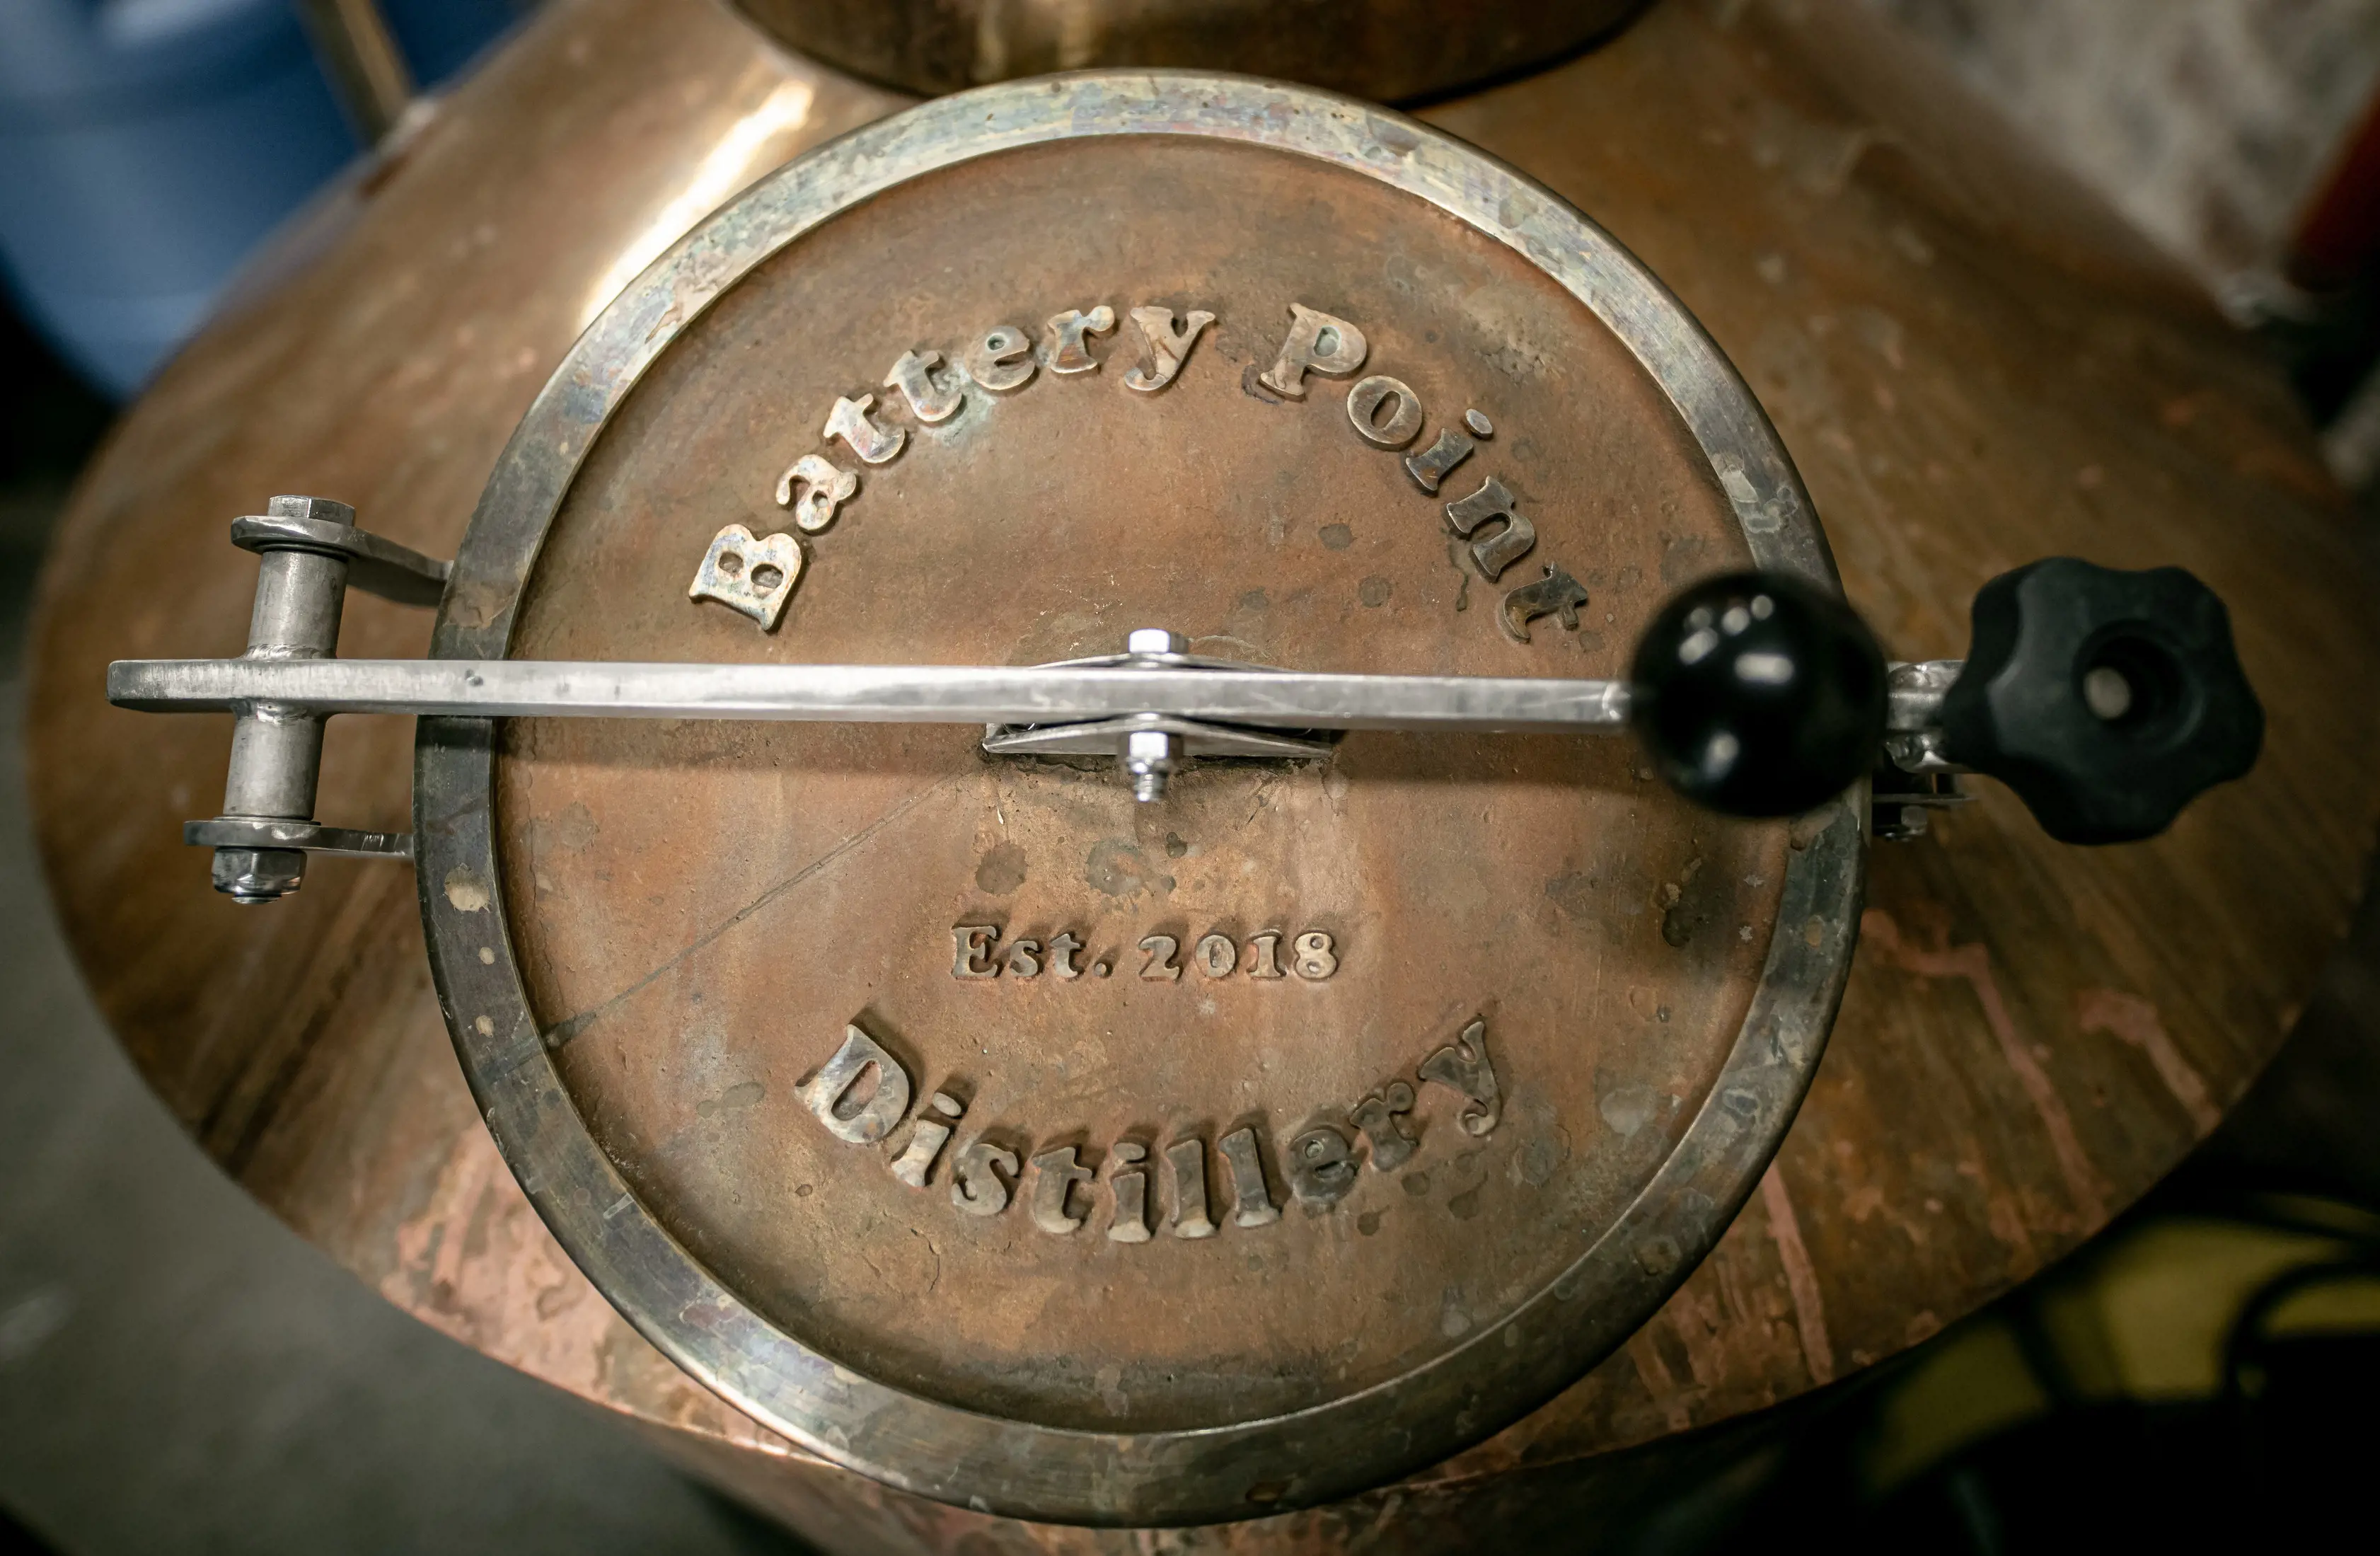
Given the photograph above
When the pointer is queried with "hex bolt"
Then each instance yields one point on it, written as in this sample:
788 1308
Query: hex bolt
1150 755
277 753
1155 640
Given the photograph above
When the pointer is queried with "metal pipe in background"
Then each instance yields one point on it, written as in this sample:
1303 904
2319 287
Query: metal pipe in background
361 57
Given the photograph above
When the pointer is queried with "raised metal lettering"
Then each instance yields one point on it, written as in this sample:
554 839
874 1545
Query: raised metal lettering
1321 1165
976 1185
747 575
1429 466
1264 955
1159 968
1315 959
1381 1118
1251 1197
1492 505
1188 1160
971 950
1002 359
814 486
1363 406
1062 339
930 402
1166 349
1130 1223
1217 956
1055 1173
826 1092
1463 1067
1318 343
916 1160
1557 594
849 421
1061 954
1024 958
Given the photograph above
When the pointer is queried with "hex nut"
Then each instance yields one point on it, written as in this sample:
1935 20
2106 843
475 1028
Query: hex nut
1155 640
324 509
252 876
1150 750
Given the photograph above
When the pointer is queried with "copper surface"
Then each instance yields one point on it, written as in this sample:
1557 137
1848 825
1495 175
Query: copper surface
385 348
787 881
1389 50
2031 1035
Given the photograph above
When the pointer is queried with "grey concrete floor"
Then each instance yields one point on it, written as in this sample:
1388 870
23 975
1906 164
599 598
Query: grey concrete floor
179 1372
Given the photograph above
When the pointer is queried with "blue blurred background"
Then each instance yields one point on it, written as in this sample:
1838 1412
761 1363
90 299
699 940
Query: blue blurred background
147 145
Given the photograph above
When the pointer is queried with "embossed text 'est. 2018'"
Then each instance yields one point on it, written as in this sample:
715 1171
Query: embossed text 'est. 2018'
755 575
978 955
862 1093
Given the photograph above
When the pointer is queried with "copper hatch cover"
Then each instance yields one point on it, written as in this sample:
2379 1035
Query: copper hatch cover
957 1115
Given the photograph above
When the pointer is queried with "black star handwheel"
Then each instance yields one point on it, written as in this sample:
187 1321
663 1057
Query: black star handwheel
1143 796
2109 700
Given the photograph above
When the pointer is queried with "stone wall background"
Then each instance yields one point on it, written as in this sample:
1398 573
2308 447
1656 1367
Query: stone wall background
2211 124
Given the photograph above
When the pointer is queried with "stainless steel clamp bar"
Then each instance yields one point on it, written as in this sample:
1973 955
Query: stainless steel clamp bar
1038 695
1152 708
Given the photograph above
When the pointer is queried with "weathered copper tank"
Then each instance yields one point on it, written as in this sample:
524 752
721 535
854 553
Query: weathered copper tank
1549 1015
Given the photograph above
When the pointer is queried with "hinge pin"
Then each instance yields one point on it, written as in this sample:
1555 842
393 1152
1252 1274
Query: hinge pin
277 753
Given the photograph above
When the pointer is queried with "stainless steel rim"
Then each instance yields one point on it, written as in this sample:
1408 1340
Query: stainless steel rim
920 1445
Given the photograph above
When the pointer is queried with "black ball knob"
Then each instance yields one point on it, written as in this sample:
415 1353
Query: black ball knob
1759 695
2108 700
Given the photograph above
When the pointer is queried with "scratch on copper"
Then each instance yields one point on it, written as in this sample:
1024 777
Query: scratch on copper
2134 1020
1655 1374
563 1031
1800 1278
1973 961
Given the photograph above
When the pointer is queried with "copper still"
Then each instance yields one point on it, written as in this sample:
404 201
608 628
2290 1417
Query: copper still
1967 363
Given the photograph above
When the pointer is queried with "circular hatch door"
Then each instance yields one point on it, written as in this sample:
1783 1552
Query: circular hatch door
1174 1144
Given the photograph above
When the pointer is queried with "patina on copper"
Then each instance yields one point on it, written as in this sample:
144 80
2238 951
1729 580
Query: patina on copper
1972 366
1610 1000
